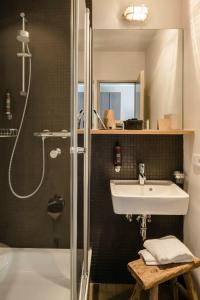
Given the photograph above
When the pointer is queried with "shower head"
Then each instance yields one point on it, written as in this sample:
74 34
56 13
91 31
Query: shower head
23 36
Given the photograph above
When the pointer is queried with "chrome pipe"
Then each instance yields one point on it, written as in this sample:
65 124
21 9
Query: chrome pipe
22 15
23 91
73 148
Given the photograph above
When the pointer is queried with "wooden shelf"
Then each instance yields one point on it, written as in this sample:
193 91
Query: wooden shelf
142 132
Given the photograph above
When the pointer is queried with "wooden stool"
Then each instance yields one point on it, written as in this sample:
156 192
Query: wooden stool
149 278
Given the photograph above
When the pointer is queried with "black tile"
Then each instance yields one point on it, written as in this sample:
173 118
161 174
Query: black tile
114 240
25 222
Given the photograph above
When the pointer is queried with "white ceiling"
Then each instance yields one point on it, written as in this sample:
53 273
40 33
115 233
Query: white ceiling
122 39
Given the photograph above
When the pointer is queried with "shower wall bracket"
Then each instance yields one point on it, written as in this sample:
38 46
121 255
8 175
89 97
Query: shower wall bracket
21 54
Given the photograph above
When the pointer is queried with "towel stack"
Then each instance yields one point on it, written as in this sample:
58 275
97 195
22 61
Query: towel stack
164 251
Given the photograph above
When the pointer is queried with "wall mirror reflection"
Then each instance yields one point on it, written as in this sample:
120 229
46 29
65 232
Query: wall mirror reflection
121 97
137 74
80 111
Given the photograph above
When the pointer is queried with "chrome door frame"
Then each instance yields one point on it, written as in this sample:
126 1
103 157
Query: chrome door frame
86 143
73 148
87 152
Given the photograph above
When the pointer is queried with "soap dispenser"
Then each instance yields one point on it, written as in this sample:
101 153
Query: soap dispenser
117 157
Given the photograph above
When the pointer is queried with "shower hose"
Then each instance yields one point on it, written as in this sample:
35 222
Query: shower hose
16 141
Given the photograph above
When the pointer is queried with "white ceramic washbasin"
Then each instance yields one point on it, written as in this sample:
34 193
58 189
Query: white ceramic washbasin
154 198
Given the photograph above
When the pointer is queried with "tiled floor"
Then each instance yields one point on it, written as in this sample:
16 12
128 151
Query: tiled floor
123 292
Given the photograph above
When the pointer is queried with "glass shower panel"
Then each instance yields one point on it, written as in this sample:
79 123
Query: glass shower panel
80 127
80 137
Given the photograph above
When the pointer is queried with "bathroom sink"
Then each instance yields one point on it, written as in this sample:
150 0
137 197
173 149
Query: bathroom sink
154 198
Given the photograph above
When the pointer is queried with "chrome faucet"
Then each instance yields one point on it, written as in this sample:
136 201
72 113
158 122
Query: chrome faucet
142 176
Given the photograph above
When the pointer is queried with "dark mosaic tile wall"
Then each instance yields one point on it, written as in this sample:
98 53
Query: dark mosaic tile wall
89 5
24 223
114 240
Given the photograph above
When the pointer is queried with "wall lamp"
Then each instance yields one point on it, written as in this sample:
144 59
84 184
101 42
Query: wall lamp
137 13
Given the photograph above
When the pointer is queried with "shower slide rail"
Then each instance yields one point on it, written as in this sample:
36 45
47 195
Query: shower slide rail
50 134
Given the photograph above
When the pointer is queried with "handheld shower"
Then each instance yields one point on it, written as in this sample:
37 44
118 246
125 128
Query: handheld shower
23 36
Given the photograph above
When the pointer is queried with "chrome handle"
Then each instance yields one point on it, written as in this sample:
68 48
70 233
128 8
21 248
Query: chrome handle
78 150
55 153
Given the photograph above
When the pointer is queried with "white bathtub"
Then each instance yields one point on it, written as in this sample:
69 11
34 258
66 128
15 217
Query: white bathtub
34 274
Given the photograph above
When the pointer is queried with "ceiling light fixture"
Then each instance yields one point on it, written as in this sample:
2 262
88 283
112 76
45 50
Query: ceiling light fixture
137 13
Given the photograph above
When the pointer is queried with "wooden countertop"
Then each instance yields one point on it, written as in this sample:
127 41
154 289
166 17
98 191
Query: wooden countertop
141 132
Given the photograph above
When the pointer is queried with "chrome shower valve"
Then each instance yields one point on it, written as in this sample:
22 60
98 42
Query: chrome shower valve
55 153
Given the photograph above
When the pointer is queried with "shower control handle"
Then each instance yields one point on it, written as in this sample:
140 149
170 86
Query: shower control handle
78 150
55 153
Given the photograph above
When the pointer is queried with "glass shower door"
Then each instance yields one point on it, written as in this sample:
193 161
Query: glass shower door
87 144
80 106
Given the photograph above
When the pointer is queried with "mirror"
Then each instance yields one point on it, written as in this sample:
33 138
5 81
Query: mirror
137 74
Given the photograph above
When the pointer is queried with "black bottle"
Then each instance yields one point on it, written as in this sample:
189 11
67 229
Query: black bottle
117 157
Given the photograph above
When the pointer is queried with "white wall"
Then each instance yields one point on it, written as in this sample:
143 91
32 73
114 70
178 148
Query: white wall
164 75
118 65
191 18
127 94
163 14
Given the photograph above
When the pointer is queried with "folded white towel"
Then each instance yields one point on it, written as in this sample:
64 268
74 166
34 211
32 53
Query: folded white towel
148 258
168 250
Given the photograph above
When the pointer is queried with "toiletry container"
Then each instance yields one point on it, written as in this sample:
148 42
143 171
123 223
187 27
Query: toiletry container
117 157
109 119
